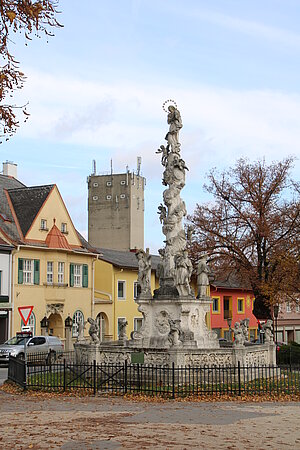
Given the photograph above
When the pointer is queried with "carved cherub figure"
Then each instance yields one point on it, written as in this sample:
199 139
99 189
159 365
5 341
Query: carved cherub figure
239 338
162 211
268 329
93 330
165 152
122 330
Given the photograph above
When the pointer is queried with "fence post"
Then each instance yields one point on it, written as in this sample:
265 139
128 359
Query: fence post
95 376
239 376
173 379
125 377
25 374
290 358
64 374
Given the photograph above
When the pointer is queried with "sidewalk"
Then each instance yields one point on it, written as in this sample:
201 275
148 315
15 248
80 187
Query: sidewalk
116 423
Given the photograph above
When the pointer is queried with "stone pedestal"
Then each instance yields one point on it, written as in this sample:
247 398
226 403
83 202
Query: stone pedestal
161 317
68 343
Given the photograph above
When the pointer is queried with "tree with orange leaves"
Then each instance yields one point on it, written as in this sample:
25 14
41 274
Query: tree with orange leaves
252 230
30 18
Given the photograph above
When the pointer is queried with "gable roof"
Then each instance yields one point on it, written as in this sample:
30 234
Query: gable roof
27 202
124 259
7 223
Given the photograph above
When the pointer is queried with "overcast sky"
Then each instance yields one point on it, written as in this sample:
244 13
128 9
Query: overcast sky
96 90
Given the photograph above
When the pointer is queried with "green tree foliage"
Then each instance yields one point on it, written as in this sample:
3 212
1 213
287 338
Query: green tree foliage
30 18
252 229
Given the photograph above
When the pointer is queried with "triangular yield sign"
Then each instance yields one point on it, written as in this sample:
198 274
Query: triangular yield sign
25 312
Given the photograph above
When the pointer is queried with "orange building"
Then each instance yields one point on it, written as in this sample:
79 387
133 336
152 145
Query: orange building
231 303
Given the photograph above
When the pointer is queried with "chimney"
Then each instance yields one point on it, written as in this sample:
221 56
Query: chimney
10 169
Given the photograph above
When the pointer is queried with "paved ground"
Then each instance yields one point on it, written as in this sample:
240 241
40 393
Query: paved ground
3 374
115 423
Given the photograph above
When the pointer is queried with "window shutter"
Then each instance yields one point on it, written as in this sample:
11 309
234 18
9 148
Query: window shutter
71 275
85 271
20 271
36 271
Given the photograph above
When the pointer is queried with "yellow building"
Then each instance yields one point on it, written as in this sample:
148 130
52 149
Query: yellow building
52 265
115 290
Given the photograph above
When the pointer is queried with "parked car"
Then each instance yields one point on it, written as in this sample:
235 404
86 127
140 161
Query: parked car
46 346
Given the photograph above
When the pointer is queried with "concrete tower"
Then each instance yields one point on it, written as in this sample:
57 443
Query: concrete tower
116 210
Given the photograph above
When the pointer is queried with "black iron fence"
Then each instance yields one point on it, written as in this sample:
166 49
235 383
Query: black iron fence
288 355
167 381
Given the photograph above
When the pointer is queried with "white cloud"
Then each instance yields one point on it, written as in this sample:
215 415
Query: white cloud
220 125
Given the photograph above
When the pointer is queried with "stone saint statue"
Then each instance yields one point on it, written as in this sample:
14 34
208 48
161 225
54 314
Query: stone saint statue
202 277
245 328
239 337
122 330
93 330
174 120
183 270
268 329
144 273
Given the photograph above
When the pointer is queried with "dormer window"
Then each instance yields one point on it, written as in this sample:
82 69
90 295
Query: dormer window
63 228
44 224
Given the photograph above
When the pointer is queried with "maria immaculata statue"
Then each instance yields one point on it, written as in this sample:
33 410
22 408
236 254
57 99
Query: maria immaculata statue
175 267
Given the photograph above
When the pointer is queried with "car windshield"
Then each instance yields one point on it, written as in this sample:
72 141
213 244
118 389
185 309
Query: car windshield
16 340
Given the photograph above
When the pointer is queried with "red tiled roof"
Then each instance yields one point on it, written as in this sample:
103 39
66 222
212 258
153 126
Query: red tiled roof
55 239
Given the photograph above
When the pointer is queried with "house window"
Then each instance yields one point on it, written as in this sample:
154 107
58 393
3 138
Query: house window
95 184
240 305
122 196
137 323
123 182
28 271
30 323
95 197
63 227
78 318
120 321
79 275
288 307
61 273
121 290
216 305
135 289
44 224
108 183
108 197
49 272
297 302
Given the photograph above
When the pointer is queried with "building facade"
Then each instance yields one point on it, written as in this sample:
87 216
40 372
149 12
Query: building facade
231 303
116 275
116 211
52 266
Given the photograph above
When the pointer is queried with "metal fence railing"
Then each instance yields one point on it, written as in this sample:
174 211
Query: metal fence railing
168 381
288 355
